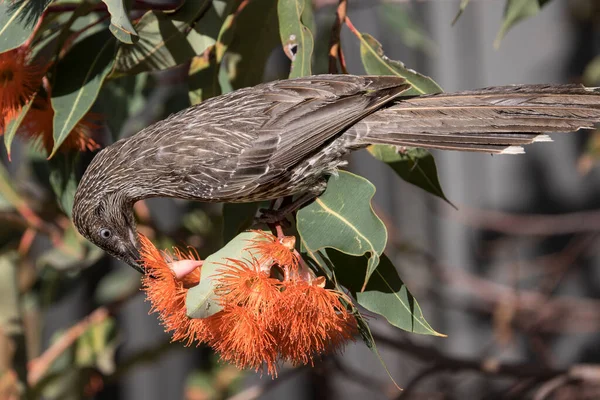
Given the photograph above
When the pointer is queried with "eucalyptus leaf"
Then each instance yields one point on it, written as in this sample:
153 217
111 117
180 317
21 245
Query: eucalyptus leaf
296 38
515 11
17 21
400 21
120 25
461 9
13 125
75 253
201 300
119 100
369 341
208 76
385 294
63 179
8 192
203 77
342 218
9 306
172 38
591 74
376 62
204 34
79 77
253 35
117 285
96 347
414 165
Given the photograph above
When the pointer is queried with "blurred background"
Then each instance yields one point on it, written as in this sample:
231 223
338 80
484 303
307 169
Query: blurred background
512 276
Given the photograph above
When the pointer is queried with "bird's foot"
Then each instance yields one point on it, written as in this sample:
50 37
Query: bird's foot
279 216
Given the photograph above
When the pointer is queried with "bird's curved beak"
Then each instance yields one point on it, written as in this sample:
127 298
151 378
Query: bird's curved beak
133 260
133 257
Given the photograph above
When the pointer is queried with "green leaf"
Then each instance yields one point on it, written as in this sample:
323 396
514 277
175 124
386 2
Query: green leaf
116 286
119 100
96 347
207 76
168 39
367 337
205 33
414 165
63 179
17 21
250 41
9 306
342 218
385 294
13 125
237 217
79 77
375 62
591 74
120 26
462 7
201 301
296 38
75 253
8 193
203 77
515 11
400 21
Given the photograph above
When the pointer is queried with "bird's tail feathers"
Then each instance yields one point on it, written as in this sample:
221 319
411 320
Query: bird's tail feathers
491 120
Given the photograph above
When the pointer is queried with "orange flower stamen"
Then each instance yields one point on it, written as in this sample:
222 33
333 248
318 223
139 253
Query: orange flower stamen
243 340
38 126
243 283
263 318
167 294
270 248
316 322
18 82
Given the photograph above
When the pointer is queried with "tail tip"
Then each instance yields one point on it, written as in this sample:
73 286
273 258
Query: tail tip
513 150
542 138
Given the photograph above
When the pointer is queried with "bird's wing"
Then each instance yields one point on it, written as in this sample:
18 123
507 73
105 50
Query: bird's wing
242 140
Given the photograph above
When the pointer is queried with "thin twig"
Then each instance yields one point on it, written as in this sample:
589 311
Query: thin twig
489 366
36 29
335 45
255 391
352 28
529 224
359 376
39 366
545 390
559 314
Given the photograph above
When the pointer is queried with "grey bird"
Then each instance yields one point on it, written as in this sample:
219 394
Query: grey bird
285 137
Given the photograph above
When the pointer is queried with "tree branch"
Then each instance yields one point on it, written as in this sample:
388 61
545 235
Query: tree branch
529 224
440 362
39 366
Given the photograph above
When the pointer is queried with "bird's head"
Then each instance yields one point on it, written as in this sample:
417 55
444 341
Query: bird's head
103 207
109 224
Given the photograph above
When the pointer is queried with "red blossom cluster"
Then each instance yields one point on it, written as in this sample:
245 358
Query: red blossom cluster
21 82
270 311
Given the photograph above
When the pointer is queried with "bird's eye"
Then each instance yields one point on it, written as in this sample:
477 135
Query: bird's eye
105 233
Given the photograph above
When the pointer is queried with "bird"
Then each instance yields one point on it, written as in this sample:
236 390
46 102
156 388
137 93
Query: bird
287 137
